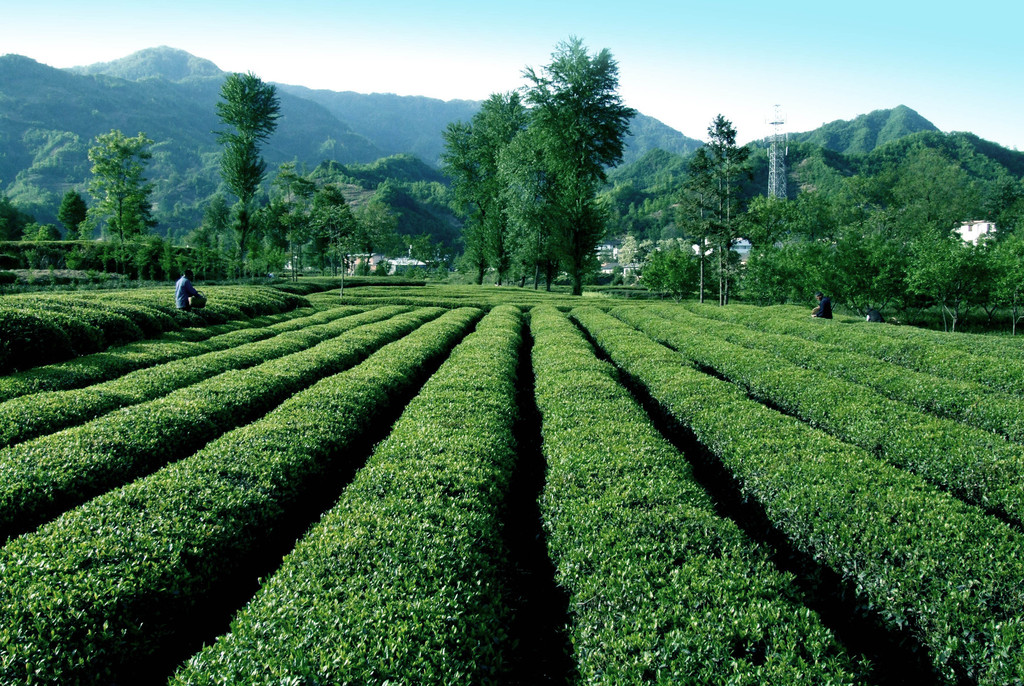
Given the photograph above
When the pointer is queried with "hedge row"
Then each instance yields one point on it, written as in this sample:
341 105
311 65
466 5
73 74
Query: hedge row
661 588
401 581
45 328
485 297
977 466
933 357
110 364
30 416
46 476
94 595
919 558
963 401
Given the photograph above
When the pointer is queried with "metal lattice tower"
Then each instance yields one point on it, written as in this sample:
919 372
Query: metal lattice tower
777 157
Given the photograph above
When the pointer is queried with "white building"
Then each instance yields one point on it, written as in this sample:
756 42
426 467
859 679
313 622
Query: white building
972 231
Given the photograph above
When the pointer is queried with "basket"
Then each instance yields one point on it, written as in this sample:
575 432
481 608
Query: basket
197 301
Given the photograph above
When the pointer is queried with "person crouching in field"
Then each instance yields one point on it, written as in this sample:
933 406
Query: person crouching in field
184 290
824 308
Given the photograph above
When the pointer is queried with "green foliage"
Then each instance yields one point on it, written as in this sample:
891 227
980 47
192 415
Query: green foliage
249 109
639 548
108 451
580 125
72 212
673 269
196 523
88 323
12 220
976 465
868 131
472 157
874 525
403 577
121 194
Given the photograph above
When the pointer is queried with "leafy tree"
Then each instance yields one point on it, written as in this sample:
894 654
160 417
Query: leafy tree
72 213
471 159
868 271
291 209
581 124
335 227
41 232
948 270
121 194
696 210
250 109
1008 258
529 199
377 225
768 220
12 220
672 269
726 167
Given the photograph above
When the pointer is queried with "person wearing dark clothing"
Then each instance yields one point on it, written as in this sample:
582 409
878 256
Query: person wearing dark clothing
824 308
183 290
874 315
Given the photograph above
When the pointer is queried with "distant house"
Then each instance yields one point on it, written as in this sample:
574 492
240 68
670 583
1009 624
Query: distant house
742 246
608 251
972 231
400 265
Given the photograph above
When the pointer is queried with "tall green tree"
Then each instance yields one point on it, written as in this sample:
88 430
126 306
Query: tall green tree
471 158
379 225
335 228
249 108
728 167
695 212
72 212
292 206
672 269
529 197
12 220
581 123
121 194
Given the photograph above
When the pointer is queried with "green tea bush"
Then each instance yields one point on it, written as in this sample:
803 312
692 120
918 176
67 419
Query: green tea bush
650 568
27 417
920 559
924 353
98 367
47 475
401 581
91 596
976 465
967 402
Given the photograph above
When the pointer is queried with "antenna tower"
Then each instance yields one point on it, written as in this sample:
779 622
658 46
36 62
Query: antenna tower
778 150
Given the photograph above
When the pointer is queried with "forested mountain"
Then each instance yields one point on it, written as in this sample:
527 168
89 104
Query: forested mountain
394 123
825 166
50 117
866 132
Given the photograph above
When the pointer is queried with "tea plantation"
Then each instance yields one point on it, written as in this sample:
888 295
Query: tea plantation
478 485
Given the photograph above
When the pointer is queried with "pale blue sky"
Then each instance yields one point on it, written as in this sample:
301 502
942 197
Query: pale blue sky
960 65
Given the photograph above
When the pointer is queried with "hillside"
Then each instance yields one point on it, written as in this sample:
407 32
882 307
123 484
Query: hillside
394 123
49 118
867 131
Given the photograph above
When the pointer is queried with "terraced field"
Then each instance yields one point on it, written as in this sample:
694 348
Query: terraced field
500 486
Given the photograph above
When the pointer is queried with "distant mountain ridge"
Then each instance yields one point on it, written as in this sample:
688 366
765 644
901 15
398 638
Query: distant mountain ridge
866 132
49 118
162 62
